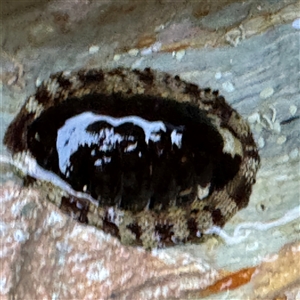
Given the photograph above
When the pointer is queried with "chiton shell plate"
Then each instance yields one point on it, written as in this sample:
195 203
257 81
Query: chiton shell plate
142 155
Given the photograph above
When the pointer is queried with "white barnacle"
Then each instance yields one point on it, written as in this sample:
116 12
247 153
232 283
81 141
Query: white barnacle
267 92
261 142
180 54
281 140
271 123
254 118
38 82
94 49
277 127
235 36
274 113
293 109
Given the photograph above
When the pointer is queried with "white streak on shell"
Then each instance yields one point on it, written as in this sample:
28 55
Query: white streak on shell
74 134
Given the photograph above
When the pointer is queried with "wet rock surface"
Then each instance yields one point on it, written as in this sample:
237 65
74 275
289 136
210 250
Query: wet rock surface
255 66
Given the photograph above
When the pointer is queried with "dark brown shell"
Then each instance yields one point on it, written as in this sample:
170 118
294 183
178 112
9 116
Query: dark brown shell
196 171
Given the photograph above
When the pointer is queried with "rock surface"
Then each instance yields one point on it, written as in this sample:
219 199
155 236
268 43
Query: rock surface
46 255
250 52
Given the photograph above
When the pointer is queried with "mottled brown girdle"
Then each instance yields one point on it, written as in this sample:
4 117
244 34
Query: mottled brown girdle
150 228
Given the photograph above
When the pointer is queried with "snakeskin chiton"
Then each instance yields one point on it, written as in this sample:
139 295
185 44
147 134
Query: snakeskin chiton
144 156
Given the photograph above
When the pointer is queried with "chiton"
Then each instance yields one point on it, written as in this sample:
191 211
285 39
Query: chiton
142 155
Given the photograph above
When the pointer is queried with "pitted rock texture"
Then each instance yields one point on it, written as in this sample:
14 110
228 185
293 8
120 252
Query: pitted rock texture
47 255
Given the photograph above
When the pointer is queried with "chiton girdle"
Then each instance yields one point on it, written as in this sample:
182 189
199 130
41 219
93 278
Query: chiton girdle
150 158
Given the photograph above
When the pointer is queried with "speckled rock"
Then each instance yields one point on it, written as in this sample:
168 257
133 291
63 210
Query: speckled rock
278 275
46 255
